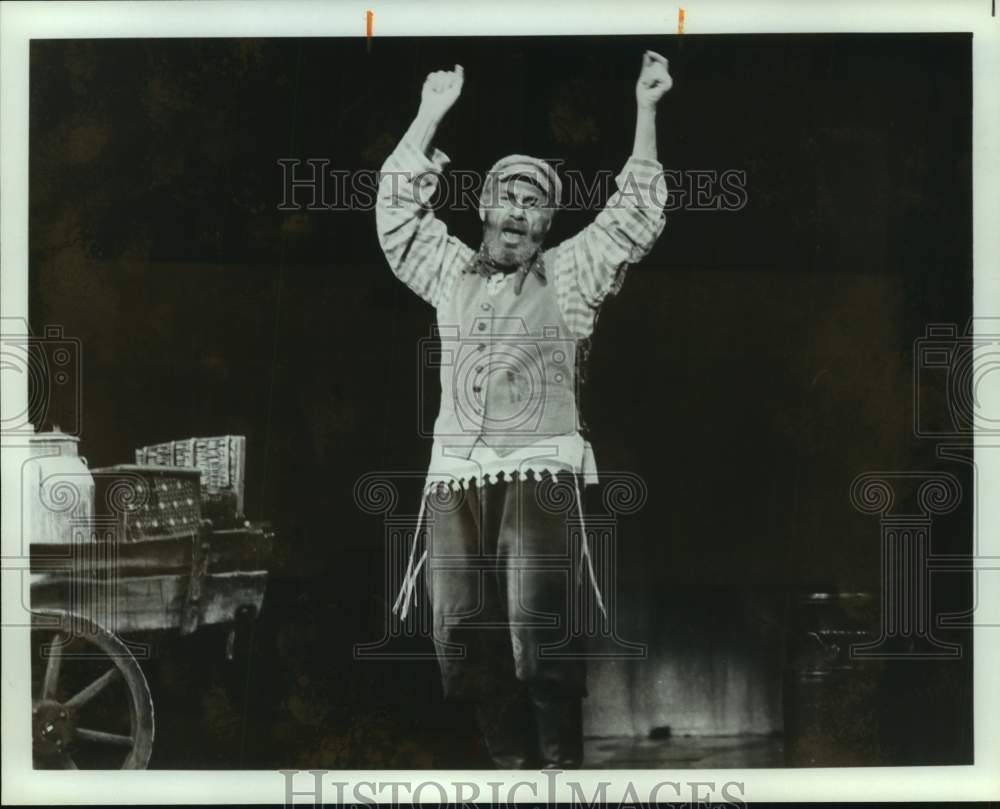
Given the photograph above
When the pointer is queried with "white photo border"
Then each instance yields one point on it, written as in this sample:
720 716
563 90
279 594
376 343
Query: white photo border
22 22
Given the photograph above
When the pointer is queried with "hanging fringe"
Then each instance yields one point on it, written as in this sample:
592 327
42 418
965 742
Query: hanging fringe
401 606
406 590
458 484
585 553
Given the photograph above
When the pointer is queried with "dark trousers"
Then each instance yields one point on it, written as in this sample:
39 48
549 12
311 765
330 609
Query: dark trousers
499 573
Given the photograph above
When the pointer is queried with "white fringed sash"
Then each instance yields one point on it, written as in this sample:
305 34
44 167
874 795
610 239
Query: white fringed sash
550 456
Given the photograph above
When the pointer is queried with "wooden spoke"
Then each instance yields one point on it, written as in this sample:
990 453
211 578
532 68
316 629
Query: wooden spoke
52 667
92 690
54 721
101 737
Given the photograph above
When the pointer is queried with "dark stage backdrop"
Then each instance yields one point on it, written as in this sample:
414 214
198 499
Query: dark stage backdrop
753 365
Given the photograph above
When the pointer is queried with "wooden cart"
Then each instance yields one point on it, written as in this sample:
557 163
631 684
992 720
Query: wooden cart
94 602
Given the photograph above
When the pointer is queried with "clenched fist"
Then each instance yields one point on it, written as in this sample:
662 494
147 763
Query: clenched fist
441 90
654 80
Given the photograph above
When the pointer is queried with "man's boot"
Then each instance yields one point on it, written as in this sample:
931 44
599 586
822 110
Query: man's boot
559 724
508 730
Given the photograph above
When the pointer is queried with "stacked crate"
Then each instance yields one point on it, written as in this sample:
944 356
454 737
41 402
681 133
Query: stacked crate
222 463
148 501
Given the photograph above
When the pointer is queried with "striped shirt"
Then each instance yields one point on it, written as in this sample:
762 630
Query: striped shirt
586 268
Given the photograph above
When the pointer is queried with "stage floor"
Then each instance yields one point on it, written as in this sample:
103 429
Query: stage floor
683 752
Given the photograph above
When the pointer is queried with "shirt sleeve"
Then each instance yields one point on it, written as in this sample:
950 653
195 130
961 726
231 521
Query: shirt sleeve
591 265
416 243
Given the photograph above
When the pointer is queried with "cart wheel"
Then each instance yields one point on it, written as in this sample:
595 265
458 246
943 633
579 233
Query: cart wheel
91 706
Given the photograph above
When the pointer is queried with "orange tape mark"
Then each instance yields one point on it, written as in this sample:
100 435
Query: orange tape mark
369 15
680 21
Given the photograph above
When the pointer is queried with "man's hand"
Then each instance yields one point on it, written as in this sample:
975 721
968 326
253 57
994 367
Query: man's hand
441 91
654 80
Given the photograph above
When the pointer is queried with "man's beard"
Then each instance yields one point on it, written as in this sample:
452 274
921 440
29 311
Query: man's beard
510 246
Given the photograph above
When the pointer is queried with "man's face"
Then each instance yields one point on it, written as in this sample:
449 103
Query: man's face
514 229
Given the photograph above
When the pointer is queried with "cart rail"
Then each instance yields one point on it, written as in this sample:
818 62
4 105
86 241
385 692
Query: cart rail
180 582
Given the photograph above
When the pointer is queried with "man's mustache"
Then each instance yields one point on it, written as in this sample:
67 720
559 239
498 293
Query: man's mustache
514 226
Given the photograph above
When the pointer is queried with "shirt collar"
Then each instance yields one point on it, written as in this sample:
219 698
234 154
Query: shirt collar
482 264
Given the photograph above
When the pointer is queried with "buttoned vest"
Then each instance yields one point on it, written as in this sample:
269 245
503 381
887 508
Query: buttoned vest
508 366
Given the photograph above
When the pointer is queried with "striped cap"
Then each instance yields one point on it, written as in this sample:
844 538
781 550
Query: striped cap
531 168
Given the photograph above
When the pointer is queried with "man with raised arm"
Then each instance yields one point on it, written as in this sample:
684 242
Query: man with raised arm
503 488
